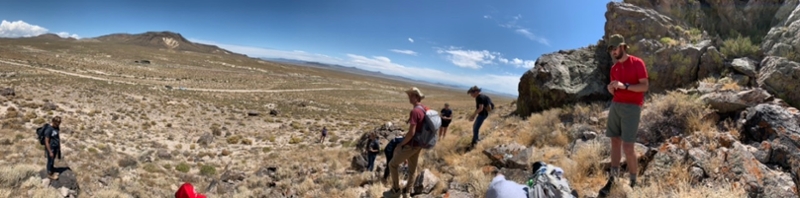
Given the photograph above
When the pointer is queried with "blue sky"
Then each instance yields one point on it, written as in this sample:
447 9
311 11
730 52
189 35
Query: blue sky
485 43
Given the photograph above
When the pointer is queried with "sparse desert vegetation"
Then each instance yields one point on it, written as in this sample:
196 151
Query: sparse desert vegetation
123 125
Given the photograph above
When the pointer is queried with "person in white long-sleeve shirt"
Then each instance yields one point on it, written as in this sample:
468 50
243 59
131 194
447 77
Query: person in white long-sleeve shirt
502 188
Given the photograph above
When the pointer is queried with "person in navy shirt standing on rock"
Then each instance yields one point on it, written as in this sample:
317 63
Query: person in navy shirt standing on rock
52 145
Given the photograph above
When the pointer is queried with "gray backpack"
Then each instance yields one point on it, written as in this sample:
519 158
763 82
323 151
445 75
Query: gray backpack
430 129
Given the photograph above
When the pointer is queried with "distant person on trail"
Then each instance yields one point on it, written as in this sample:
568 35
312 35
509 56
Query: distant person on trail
628 84
372 150
482 103
389 152
447 116
407 149
324 134
52 145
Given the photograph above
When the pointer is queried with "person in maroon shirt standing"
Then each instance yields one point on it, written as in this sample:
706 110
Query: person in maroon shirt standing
628 84
407 149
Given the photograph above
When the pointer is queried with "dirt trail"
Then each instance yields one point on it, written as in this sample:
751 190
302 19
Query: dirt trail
184 88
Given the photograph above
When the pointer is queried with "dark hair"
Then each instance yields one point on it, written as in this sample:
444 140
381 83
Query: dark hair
56 119
474 89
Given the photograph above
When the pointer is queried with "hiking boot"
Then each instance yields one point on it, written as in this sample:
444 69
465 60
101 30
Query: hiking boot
606 190
633 183
392 193
53 176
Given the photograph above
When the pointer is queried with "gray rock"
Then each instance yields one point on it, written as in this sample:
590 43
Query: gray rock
711 63
510 155
779 76
745 66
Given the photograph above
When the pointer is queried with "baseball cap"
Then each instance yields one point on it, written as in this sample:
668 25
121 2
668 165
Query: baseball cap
616 40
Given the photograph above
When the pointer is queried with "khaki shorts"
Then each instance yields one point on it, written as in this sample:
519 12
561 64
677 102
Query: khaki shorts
623 121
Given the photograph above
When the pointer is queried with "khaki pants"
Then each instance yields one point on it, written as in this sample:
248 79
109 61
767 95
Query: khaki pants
400 155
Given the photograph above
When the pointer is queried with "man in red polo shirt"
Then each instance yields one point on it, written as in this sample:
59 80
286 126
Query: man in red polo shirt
628 84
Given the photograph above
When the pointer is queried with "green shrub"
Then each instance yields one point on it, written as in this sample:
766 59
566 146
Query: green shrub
182 167
207 170
739 47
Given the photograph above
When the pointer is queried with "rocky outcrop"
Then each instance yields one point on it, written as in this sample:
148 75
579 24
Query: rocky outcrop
565 77
749 17
730 101
780 76
670 37
777 131
672 59
783 40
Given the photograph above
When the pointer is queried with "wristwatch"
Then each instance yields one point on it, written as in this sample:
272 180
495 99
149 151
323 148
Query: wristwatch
626 86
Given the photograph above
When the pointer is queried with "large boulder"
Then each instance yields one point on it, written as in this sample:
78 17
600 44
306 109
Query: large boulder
783 40
779 129
730 101
781 77
565 77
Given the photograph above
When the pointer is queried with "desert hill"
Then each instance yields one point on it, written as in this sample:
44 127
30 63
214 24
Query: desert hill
164 40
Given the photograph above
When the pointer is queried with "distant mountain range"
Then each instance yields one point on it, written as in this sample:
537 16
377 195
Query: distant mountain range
355 70
175 41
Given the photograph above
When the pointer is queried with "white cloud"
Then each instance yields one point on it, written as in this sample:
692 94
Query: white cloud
524 31
411 40
503 60
274 53
382 59
22 29
505 83
469 58
67 35
500 83
476 59
531 36
487 17
407 52
519 63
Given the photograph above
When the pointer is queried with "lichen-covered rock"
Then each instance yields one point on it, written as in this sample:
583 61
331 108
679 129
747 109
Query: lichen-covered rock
781 77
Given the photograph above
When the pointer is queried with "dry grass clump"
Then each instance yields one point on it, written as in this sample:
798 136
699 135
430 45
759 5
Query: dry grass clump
677 183
671 114
13 175
111 193
587 172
